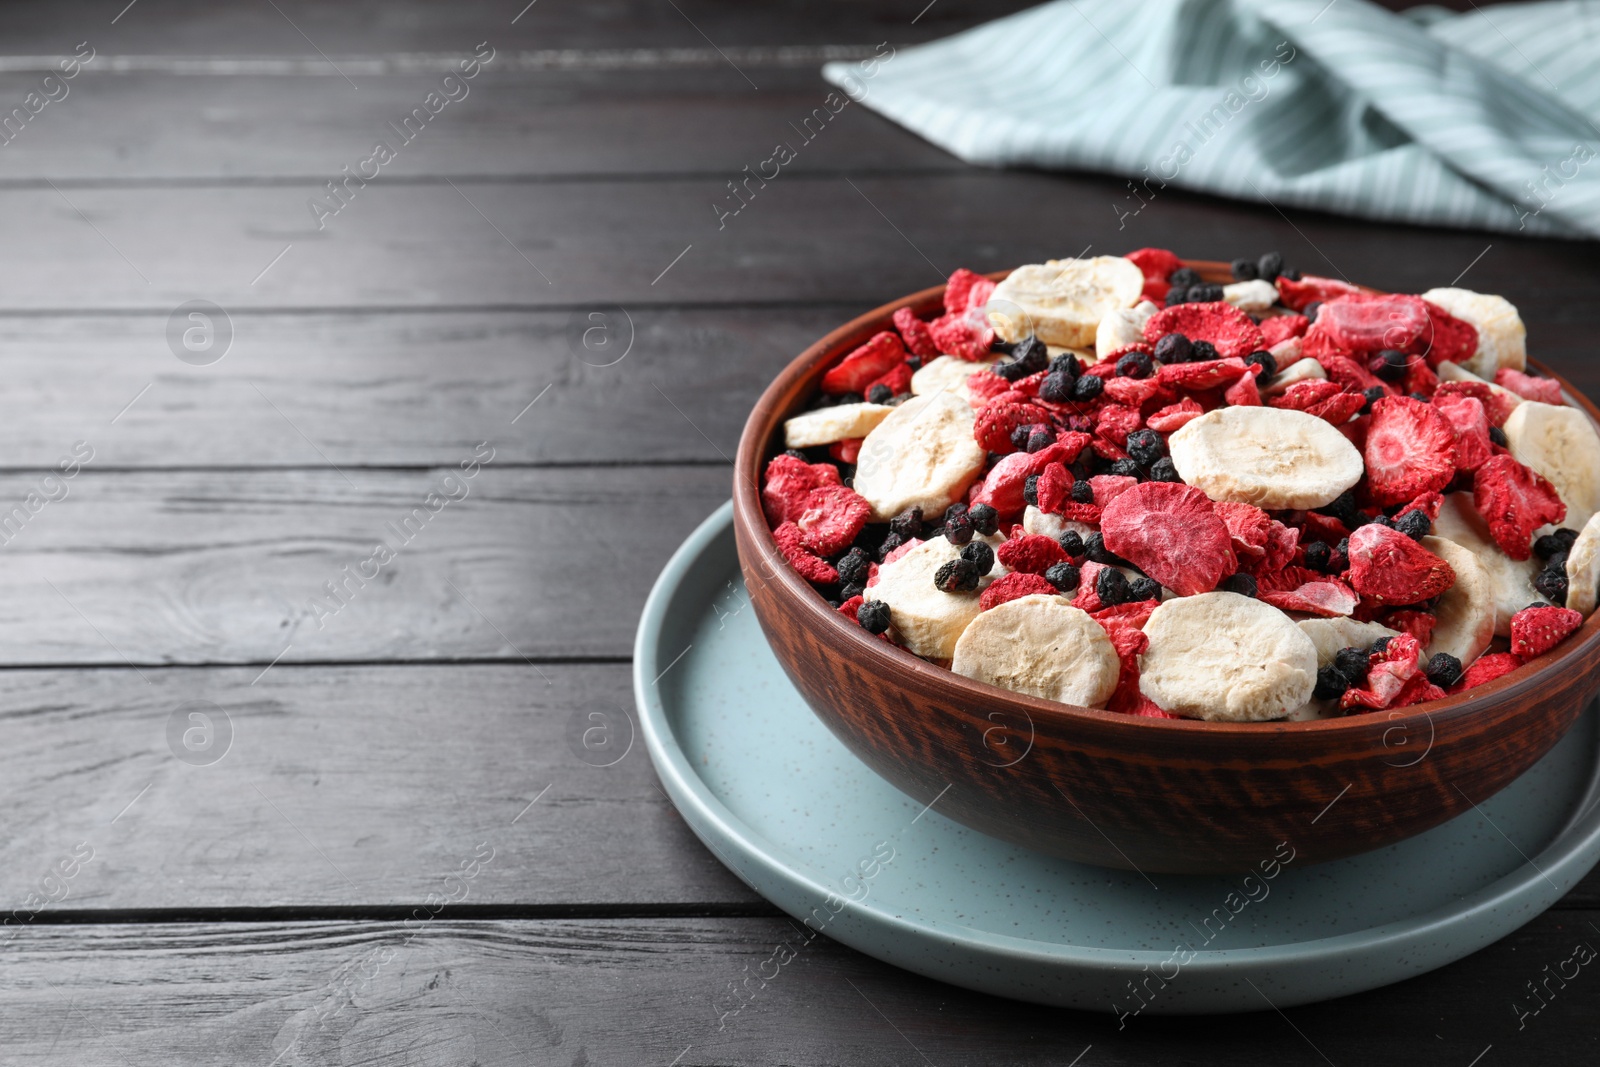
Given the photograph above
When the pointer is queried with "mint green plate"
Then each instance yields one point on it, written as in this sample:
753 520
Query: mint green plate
789 810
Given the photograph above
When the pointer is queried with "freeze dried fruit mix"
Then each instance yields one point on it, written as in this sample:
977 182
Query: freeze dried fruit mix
1114 483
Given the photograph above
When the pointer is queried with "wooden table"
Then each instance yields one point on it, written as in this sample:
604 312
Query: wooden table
267 883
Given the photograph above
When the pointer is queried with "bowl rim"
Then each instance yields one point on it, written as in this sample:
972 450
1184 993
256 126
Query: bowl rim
795 378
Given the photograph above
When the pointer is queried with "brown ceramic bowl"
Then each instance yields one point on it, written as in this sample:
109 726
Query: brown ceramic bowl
1122 791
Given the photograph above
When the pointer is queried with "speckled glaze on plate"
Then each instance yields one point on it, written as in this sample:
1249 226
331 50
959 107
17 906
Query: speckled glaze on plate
786 807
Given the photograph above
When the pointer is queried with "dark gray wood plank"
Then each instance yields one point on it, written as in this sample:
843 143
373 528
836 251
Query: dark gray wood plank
341 788
654 992
231 567
387 389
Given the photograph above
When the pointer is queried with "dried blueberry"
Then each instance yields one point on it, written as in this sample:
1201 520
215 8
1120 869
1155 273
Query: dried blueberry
907 524
1380 646
1145 446
1205 294
1331 684
1342 507
880 394
985 519
1389 365
1039 440
1063 576
1071 543
1082 492
1353 664
873 616
1134 365
1164 470
1269 266
1202 352
1173 348
1032 354
1317 555
1087 387
1414 524
957 576
1056 388
1019 437
1498 436
1143 589
1177 295
1066 363
1289 272
1127 468
1184 276
1094 546
1245 270
1030 490
1011 370
853 567
1551 543
980 554
1552 582
1111 586
958 529
1265 360
890 543
1241 583
1443 670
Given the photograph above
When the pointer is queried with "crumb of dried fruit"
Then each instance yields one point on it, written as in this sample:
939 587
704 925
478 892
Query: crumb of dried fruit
1514 500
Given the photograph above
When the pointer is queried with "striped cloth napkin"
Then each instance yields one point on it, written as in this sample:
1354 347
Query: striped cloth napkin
1481 120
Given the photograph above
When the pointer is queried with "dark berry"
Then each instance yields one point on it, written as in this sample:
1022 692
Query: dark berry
1340 560
1419 397
1342 507
1145 446
890 543
1552 582
1087 387
1080 423
1205 294
1071 543
1002 346
1164 470
907 524
1063 576
1178 294
1266 361
1414 524
1241 583
980 554
1127 468
1019 438
1311 309
1353 664
914 363
1551 543
1184 276
1056 388
1331 684
1537 604
853 567
1443 670
1094 546
880 394
1269 266
1317 556
1245 270
1202 352
1112 587
957 576
1082 469
958 529
1032 354
1498 436
985 519
1134 365
1380 646
1289 272
1383 520
1030 490
1066 363
1039 440
1173 348
1389 365
854 589
1082 492
1010 369
873 616
1143 589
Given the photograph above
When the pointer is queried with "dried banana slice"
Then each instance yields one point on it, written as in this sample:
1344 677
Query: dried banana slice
1465 616
947 374
1560 443
1502 339
827 425
1583 568
1303 370
1512 581
1121 328
922 617
922 455
1062 301
1269 457
1223 657
1043 646
1254 295
1330 635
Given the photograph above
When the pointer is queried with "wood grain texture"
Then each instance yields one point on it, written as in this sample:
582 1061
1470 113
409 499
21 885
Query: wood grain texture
356 789
228 567
655 992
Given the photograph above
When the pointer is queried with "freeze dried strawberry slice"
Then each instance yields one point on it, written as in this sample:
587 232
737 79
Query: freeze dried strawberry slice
1054 489
1011 587
1107 487
846 451
983 386
1339 408
1419 378
1391 669
1467 418
865 365
1033 553
1486 669
1170 531
1544 390
1157 264
1305 395
898 380
1387 567
1132 392
1303 589
849 608
1175 416
1411 449
1418 624
1535 631
914 332
1115 423
1204 375
1132 615
1279 328
1233 332
1497 405
1418 691
1310 289
1244 393
1447 338
786 484
832 519
1002 488
1428 503
1260 542
1324 528
962 336
1515 501
966 290
1088 581
998 418
790 541
1352 375
1369 322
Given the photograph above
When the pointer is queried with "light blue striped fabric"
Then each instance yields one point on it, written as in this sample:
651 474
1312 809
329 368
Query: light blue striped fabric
1489 119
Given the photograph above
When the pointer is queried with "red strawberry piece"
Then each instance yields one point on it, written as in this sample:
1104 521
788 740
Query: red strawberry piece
898 380
849 607
1418 691
1132 615
790 542
1233 332
1387 567
1419 378
786 484
966 290
1467 418
1486 669
1175 416
1418 624
1170 531
1029 386
1356 431
1208 374
1411 449
1310 289
1142 705
896 553
1535 631
1305 395
999 418
1324 596
1391 669
833 518
1352 375
1157 264
1033 553
1260 542
1496 405
1369 322
962 336
1107 487
865 365
1339 408
1074 442
1515 501
1428 503
914 332
1132 392
1105 368
1085 513
1129 641
983 386
872 572
1088 579
1115 423
846 451
1544 390
1011 587
1155 292
1324 528
1054 489
1002 488
1447 338
1279 328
